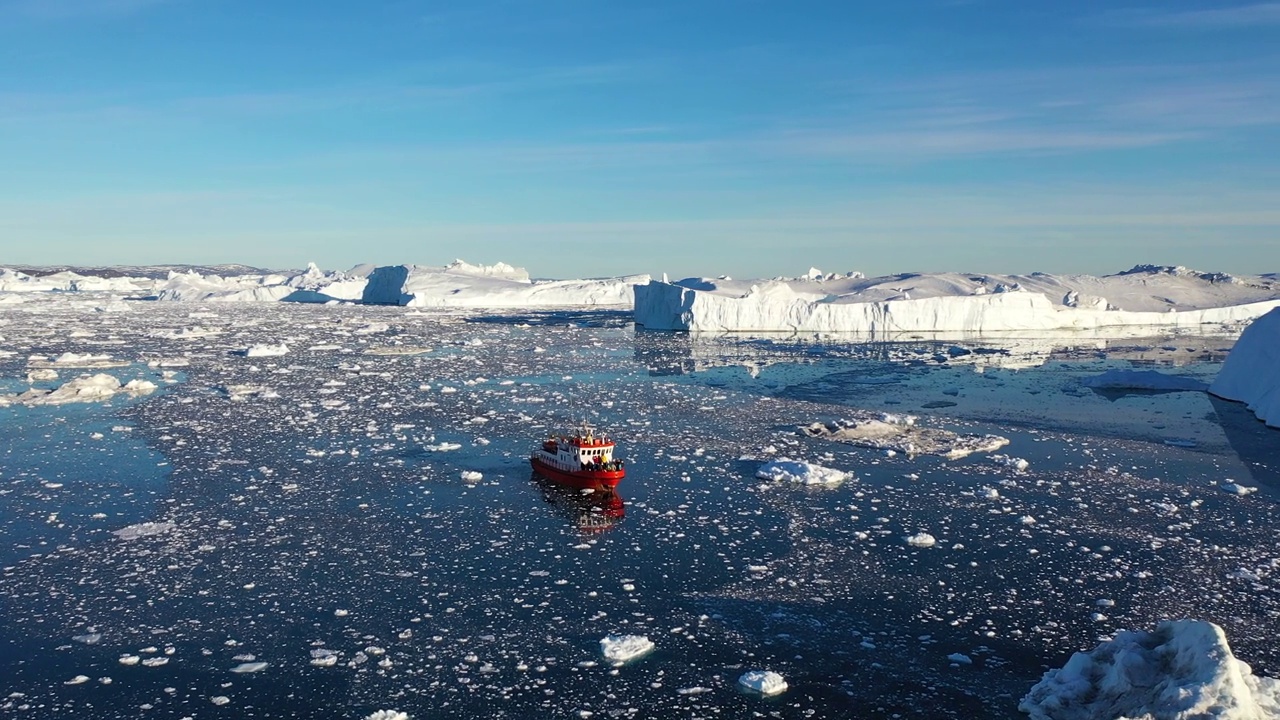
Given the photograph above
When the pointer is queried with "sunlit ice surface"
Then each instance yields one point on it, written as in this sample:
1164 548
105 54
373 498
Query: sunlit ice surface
352 524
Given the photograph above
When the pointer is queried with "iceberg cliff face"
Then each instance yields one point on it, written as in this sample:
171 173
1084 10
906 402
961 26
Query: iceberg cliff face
496 286
1251 373
1184 670
949 302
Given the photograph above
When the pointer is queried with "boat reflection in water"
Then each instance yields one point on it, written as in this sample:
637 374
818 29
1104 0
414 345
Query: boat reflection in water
591 510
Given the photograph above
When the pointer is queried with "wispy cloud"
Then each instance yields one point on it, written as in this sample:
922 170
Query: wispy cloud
918 144
1241 16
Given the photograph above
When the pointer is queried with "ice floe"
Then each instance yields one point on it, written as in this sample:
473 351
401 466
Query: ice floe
1183 670
900 433
83 389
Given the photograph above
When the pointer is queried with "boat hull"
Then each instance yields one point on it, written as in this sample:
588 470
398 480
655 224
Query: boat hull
579 478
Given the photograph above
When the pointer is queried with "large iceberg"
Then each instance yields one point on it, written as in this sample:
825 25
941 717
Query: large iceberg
460 284
955 302
1184 670
312 285
1251 373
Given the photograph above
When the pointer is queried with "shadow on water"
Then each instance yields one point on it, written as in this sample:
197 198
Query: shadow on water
584 318
1257 445
591 511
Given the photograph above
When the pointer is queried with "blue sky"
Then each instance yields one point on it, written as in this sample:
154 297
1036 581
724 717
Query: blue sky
584 137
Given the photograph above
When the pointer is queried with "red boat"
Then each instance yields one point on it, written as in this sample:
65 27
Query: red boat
584 460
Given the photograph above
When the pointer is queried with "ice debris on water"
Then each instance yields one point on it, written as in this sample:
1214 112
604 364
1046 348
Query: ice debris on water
250 667
387 715
765 682
141 530
619 649
266 350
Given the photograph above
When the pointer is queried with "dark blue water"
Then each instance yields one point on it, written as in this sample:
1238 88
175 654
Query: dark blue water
317 522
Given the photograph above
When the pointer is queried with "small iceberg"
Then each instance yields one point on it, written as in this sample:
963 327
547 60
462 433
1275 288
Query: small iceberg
619 649
765 682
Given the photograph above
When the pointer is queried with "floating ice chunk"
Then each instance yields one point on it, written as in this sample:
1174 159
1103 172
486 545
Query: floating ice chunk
800 472
219 700
1236 488
155 661
139 387
472 476
922 539
266 350
1183 670
88 639
1027 520
990 493
619 649
41 375
960 659
765 682
443 447
340 612
77 680
141 530
250 667
1018 464
129 659
387 715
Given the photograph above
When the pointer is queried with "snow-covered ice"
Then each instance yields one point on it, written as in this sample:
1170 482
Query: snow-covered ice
1183 670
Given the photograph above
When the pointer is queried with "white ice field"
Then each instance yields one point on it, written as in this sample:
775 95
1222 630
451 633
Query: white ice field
259 510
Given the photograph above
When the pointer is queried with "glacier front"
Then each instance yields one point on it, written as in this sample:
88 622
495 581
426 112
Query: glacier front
954 302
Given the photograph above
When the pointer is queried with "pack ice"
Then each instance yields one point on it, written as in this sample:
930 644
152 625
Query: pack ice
1184 670
1251 373
1168 297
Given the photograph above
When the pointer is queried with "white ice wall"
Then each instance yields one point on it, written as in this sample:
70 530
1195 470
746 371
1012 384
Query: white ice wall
1251 373
775 307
